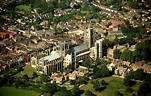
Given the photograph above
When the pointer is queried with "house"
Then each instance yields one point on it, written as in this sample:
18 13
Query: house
141 65
121 71
126 63
82 71
76 40
111 66
120 47
73 75
57 77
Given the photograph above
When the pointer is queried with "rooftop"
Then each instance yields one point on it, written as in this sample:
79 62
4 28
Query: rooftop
52 56
80 48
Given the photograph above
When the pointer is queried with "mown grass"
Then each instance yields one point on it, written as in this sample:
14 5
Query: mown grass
26 70
11 91
24 8
114 84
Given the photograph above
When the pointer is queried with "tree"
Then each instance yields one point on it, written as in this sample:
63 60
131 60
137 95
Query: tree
18 83
50 88
10 81
96 85
63 5
144 48
25 77
127 80
35 74
139 74
89 93
117 54
103 83
104 71
137 55
87 63
44 78
129 89
127 56
82 80
106 43
117 93
144 89
64 93
76 91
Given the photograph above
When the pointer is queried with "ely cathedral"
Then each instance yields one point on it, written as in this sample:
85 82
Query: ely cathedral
63 56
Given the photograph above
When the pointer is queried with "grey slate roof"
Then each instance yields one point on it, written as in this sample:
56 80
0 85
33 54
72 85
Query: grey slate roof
79 48
52 56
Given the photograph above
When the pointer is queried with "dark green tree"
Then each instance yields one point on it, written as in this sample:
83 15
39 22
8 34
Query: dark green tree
103 83
117 54
18 83
127 80
50 88
87 63
104 71
34 74
63 92
117 93
137 55
127 56
89 93
76 91
139 74
96 85
144 89
82 80
44 78
25 77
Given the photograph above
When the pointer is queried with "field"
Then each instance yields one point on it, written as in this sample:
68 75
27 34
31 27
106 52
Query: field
23 9
11 91
26 70
114 84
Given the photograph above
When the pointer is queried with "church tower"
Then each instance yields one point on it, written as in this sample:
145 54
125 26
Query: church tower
63 48
98 49
88 36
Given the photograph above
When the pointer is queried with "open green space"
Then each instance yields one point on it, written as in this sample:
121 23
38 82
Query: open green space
26 70
114 84
24 8
67 85
11 91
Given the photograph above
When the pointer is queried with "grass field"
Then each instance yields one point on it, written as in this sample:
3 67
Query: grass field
11 91
26 70
24 8
114 83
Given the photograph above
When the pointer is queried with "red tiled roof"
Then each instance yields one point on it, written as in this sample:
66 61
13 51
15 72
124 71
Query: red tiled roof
12 33
115 22
2 34
52 36
14 53
102 7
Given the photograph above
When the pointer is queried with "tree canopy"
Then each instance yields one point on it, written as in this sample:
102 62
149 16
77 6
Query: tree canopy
116 54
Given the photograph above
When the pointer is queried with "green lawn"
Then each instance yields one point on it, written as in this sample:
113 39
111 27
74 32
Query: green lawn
67 85
114 83
24 8
26 70
11 91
